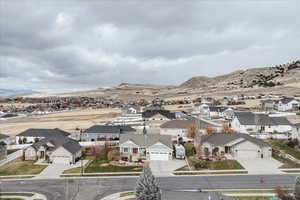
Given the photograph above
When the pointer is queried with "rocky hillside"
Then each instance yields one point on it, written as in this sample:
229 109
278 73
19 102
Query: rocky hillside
252 78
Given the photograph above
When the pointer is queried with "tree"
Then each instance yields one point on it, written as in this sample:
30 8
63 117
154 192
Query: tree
227 129
191 131
147 186
283 193
209 129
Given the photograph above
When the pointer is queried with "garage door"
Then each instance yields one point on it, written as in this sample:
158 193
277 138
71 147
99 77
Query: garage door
247 154
159 156
61 160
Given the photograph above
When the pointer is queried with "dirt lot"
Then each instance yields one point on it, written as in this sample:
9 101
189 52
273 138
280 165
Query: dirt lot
67 121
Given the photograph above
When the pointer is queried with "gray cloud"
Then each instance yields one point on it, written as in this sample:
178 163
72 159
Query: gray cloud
55 46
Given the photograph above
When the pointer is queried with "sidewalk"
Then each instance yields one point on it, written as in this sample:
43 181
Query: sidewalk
11 157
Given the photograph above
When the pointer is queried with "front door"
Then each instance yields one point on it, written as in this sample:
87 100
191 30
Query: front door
42 154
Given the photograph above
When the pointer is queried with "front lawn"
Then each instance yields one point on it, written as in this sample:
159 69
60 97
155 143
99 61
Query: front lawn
215 165
101 164
19 167
286 162
281 145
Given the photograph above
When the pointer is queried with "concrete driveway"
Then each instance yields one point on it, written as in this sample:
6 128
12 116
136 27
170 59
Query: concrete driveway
165 168
261 166
53 171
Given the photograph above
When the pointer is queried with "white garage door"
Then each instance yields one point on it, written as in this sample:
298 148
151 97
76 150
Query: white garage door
247 154
159 156
61 160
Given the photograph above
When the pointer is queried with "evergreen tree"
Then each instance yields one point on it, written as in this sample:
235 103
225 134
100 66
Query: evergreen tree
147 186
297 188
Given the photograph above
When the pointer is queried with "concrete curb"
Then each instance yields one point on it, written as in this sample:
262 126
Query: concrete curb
116 196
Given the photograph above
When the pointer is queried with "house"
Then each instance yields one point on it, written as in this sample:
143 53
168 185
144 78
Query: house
158 115
176 128
57 150
203 124
3 152
5 138
134 147
34 135
296 131
131 110
247 122
105 132
287 104
237 145
268 104
213 111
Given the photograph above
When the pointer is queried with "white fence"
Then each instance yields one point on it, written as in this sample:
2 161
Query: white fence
17 146
99 143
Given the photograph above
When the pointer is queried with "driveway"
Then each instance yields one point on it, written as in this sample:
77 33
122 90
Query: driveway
165 168
261 166
53 171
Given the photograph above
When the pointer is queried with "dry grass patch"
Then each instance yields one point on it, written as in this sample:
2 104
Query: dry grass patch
19 167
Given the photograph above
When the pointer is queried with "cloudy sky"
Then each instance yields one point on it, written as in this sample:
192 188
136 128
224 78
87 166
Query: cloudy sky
65 45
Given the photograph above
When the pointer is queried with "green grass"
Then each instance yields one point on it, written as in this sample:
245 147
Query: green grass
12 151
97 166
16 194
15 177
19 167
11 199
124 194
286 162
184 168
281 145
215 165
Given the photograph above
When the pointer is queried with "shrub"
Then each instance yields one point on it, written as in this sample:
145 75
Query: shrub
113 155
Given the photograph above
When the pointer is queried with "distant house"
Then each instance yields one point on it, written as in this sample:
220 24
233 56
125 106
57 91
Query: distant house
287 104
176 128
213 111
127 110
58 150
134 147
157 115
239 146
202 125
34 135
5 138
268 104
247 122
105 132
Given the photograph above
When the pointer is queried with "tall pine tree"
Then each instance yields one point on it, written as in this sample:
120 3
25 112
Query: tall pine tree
147 186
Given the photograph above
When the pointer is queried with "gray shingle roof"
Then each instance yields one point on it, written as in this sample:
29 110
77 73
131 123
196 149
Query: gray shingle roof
109 129
166 113
44 133
177 124
221 139
68 143
147 140
249 118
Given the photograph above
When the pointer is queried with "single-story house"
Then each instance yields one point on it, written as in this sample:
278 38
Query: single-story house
58 150
128 110
286 104
213 111
157 115
237 145
105 132
34 135
134 147
268 104
176 128
247 122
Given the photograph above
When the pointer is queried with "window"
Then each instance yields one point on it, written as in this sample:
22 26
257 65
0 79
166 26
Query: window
135 150
125 150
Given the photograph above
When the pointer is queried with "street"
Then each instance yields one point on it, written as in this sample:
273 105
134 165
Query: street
97 188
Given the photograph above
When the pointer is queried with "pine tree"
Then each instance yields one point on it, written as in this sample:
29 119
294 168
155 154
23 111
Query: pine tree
297 188
147 186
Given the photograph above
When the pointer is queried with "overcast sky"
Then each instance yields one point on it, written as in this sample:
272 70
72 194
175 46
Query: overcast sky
64 45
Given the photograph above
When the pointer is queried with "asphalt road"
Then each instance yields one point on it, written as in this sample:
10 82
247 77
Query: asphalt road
96 188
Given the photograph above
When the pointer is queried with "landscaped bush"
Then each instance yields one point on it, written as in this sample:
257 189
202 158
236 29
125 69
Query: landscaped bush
293 143
199 164
189 149
113 155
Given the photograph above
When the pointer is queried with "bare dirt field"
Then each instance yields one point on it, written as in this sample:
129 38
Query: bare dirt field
68 121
